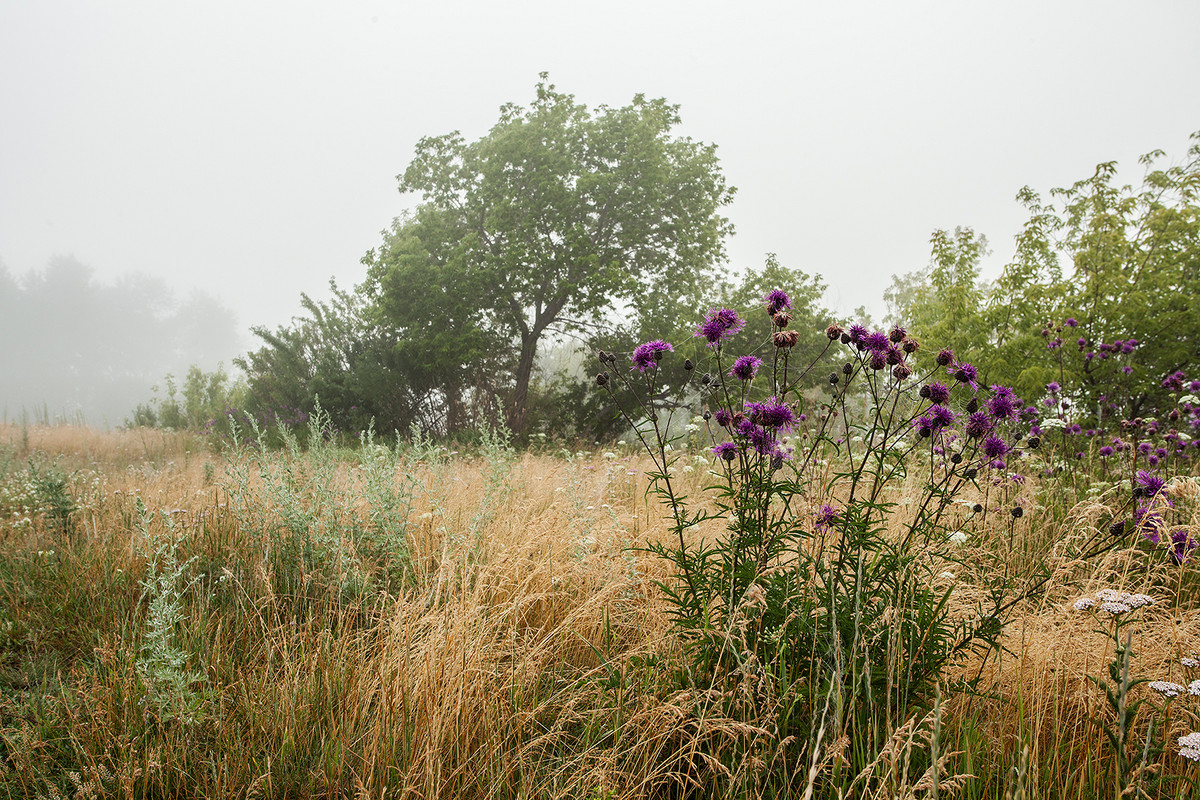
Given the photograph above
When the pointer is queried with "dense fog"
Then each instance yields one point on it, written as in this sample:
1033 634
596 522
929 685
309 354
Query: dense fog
80 349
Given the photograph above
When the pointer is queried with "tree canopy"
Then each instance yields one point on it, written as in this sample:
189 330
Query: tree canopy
556 218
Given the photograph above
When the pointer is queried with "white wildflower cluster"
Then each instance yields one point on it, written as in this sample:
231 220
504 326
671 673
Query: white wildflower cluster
1053 423
1167 688
1189 662
958 537
1194 688
1190 399
1189 746
1113 602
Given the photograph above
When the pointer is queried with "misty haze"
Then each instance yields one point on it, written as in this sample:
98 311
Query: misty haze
624 401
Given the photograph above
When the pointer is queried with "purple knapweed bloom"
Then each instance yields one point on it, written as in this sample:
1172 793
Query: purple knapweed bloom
994 447
723 417
1149 483
941 416
876 342
726 451
646 355
1071 322
719 325
965 373
1106 451
1001 405
776 301
857 333
1182 545
939 394
758 436
770 413
978 424
745 368
826 516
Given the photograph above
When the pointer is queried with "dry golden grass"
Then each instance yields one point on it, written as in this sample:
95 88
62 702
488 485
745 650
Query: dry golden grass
520 665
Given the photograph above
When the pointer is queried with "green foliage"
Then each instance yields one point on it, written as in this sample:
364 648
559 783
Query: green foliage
201 404
823 605
555 218
1122 261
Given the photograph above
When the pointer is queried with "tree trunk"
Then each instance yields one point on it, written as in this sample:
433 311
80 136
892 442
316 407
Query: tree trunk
520 394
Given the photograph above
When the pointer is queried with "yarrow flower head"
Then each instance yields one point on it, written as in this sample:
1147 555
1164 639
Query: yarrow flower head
1166 688
719 325
1189 746
646 355
745 368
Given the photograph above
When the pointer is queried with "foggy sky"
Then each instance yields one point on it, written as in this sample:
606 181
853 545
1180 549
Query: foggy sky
250 149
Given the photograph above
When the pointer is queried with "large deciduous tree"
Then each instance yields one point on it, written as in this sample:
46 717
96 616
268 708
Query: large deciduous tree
554 219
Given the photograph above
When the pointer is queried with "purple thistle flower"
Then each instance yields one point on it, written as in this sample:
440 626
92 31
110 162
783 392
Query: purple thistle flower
856 334
758 436
1071 322
1106 451
941 416
924 425
978 424
994 447
1182 545
771 413
719 325
726 451
777 300
897 334
1001 405
723 417
646 355
965 373
939 394
826 516
876 342
1150 483
745 368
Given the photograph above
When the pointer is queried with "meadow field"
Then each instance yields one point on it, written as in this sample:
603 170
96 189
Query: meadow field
401 618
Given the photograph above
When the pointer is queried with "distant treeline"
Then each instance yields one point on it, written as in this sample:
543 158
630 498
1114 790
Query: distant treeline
77 349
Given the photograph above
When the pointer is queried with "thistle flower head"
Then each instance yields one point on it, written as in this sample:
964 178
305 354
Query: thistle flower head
726 451
994 446
771 413
776 301
745 368
939 393
719 325
646 355
978 424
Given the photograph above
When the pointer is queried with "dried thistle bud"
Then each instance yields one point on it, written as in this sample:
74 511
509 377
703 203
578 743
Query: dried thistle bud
834 332
973 405
901 371
602 379
971 473
1034 442
1117 529
782 319
845 338
944 357
977 508
910 345
688 364
786 339
847 368
1017 512
924 391
956 458
834 378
